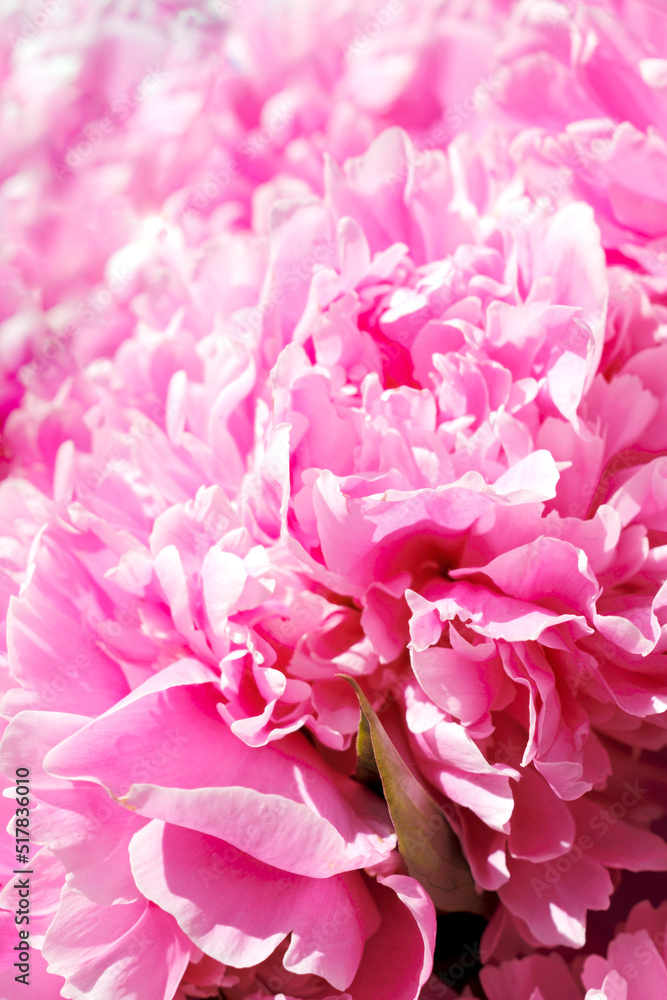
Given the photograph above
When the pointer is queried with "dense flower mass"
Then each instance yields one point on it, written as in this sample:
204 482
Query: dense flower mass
635 967
333 353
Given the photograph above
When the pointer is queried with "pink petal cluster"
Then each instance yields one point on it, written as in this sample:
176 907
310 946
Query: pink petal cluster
333 342
635 967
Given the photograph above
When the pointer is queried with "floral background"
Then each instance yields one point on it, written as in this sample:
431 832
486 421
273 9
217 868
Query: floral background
333 512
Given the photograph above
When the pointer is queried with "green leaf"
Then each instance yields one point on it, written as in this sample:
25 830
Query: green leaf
429 846
367 769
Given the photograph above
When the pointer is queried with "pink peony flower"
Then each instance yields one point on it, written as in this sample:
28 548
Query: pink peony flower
331 345
236 830
467 538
